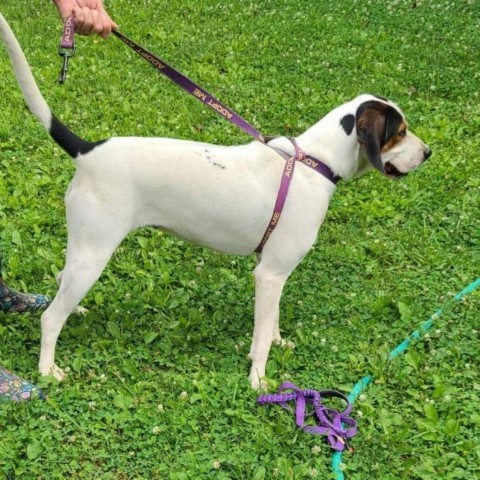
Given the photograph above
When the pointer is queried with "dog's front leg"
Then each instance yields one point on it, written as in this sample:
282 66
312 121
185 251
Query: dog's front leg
268 290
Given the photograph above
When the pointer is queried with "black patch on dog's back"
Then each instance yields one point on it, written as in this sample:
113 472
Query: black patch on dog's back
348 122
66 139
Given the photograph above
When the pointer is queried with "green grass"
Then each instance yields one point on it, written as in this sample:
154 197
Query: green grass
168 317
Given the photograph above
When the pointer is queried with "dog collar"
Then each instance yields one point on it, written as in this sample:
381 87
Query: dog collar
307 160
320 168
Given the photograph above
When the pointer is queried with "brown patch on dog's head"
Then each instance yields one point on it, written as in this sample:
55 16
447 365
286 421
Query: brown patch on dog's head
395 136
379 128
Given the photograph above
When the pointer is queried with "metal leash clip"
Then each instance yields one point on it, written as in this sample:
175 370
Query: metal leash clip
66 54
67 47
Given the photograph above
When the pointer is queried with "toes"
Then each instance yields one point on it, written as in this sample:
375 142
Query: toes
57 373
277 339
257 382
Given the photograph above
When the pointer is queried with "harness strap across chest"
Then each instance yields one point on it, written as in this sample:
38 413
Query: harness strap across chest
287 175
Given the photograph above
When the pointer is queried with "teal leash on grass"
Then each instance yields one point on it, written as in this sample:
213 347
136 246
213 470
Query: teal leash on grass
398 350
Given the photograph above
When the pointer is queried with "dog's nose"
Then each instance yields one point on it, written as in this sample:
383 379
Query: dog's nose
427 153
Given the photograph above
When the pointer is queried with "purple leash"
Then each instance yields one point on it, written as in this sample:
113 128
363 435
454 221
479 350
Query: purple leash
206 98
287 175
67 50
337 426
191 87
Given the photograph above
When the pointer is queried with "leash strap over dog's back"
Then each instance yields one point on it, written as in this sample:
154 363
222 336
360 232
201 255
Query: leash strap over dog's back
191 87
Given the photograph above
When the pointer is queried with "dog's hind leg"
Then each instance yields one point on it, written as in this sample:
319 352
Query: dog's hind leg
80 273
92 238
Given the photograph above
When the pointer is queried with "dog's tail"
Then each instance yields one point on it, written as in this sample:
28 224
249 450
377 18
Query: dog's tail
65 138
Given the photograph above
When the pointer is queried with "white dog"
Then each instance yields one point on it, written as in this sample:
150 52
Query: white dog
220 197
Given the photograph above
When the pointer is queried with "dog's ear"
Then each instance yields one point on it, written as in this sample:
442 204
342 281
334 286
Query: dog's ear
376 122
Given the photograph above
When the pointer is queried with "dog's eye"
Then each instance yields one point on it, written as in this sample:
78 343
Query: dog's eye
402 133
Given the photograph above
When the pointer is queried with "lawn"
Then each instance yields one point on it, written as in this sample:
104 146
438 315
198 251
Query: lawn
157 385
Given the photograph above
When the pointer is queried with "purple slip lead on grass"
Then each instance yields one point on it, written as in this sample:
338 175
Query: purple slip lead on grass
330 422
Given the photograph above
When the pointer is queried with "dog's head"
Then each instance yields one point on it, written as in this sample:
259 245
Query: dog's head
383 134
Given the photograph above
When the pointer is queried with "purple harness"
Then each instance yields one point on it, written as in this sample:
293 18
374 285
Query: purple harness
330 422
207 99
67 50
287 175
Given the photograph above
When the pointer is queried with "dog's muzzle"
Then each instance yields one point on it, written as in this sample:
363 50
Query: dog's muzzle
392 171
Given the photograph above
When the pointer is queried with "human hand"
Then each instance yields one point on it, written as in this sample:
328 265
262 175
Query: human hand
90 16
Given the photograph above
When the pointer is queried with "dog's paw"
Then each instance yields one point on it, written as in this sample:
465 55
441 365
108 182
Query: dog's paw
258 383
277 338
56 372
80 310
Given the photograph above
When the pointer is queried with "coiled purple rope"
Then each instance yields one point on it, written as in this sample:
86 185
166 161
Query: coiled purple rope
330 422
